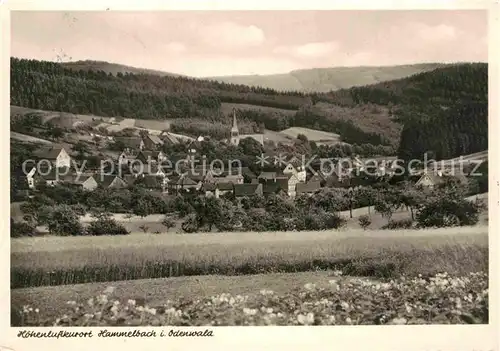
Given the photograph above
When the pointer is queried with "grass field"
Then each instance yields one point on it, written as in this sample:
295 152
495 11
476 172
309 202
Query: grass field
157 291
227 108
70 260
311 134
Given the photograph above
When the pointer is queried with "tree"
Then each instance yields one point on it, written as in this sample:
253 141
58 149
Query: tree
364 221
168 222
63 221
81 149
444 210
105 225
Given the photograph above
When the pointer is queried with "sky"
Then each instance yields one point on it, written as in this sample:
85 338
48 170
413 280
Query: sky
222 43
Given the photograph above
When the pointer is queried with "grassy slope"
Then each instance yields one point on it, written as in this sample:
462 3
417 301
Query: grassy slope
327 79
61 260
52 299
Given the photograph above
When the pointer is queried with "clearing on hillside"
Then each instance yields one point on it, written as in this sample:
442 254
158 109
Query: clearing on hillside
227 108
313 135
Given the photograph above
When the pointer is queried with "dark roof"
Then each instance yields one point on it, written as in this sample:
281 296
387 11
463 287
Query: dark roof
54 173
267 175
130 142
106 179
151 181
225 186
228 179
309 187
272 188
182 180
208 187
245 171
247 189
155 139
77 179
49 153
168 137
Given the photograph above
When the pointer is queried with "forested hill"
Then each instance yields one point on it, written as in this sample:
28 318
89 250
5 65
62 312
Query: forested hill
360 115
330 78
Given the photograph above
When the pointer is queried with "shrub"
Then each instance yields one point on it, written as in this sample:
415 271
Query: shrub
399 224
446 211
106 226
168 223
20 229
64 221
364 221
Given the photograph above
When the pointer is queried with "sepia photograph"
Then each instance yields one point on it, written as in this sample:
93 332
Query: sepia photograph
248 168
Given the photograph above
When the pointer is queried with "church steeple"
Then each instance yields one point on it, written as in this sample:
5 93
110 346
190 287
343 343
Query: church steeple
235 135
235 125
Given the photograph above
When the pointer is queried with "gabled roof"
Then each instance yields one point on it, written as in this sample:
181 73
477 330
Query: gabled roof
309 187
54 173
229 179
48 153
169 138
182 180
155 139
107 179
130 142
77 179
247 189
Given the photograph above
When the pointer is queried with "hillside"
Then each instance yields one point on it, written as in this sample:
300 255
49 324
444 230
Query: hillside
373 114
304 80
113 68
329 79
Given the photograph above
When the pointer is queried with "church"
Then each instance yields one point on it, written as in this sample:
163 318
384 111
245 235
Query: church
236 136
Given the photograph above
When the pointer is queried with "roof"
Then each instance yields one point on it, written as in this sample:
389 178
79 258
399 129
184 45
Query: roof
309 187
182 180
229 179
168 137
151 181
155 139
77 179
48 153
130 142
267 175
245 171
107 179
273 188
129 179
225 186
247 189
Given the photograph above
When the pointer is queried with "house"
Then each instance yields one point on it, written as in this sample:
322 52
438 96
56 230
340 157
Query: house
241 190
177 183
234 179
152 142
297 170
126 158
131 143
85 182
56 155
308 188
111 181
244 171
276 188
50 176
30 178
151 182
431 179
146 156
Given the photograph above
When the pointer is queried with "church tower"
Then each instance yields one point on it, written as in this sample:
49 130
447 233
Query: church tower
235 135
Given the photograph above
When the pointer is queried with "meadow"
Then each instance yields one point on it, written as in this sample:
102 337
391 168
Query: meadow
43 261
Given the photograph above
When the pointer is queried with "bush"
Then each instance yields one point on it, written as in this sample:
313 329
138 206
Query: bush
106 226
445 211
399 224
64 221
364 221
20 229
